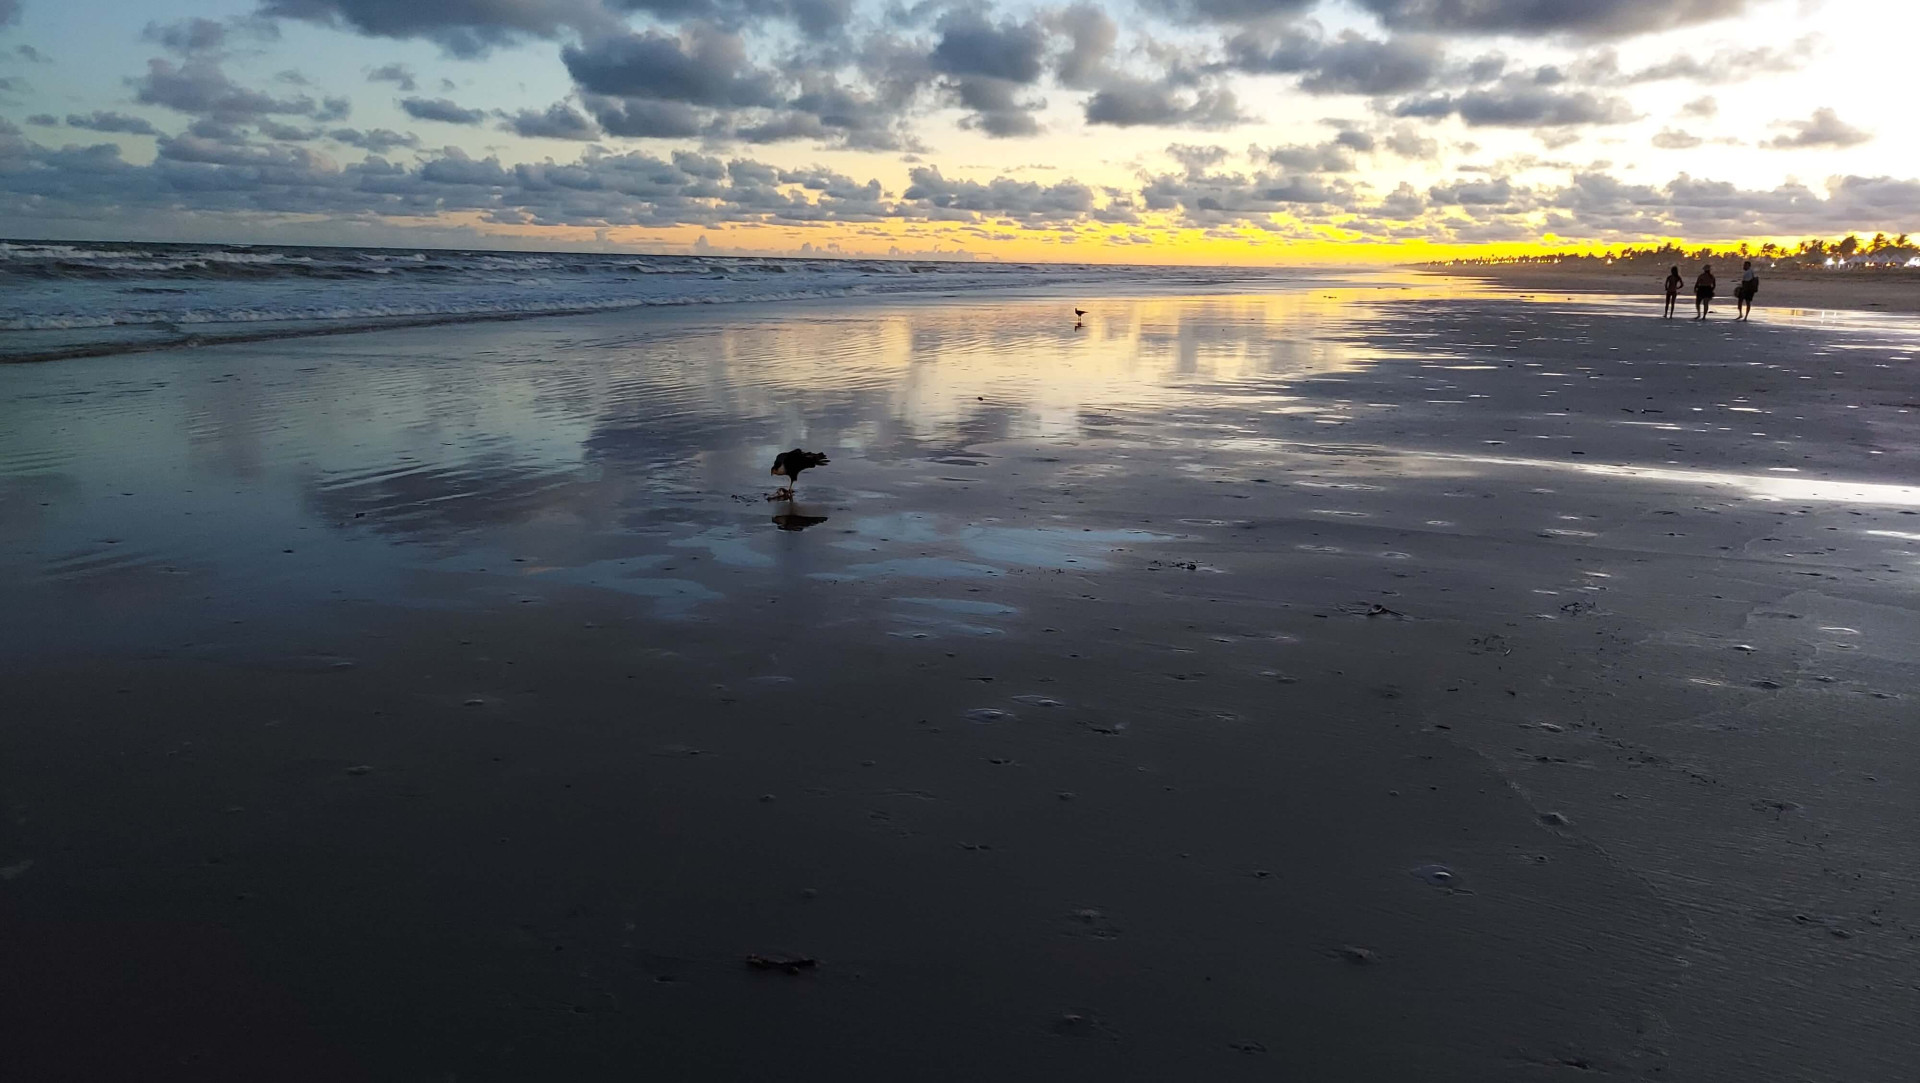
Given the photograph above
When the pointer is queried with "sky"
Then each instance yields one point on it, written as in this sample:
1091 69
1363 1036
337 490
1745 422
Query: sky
1156 131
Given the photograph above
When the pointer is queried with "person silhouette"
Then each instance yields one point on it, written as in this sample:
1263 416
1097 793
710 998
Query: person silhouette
1703 292
1743 293
1674 282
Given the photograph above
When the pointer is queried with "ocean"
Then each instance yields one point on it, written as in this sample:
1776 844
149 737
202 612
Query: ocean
71 299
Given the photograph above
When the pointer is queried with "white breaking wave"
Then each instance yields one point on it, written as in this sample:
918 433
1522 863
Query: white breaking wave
60 299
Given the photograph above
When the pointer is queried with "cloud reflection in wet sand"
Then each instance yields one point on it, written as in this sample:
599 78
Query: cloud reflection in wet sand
971 437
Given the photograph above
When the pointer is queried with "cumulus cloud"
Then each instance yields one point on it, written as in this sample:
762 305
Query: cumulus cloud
1521 103
1200 197
199 85
1330 157
1493 192
99 121
1727 65
441 109
939 197
988 67
557 121
465 28
1823 129
702 83
1091 36
1127 103
375 141
704 67
1347 64
187 36
1582 18
471 28
644 119
1675 139
1703 106
394 73
1234 11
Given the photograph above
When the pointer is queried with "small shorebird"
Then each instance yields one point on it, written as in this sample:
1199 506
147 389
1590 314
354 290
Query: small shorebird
1079 313
789 464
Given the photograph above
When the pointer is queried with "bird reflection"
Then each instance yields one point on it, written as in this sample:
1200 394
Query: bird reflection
797 520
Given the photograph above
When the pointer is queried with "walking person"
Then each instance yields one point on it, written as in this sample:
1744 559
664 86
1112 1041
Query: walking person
1703 288
1743 293
1673 293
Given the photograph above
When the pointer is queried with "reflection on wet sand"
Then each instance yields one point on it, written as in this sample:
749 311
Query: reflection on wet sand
1133 663
797 520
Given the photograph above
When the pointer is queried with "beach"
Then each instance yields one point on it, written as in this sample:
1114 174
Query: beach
1789 290
1344 676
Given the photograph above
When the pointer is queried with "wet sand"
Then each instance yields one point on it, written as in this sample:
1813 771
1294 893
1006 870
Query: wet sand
1401 680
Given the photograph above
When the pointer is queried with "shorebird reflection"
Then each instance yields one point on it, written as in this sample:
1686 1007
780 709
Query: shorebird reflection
797 520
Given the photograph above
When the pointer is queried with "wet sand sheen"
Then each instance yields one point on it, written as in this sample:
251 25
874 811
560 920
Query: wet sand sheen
1197 693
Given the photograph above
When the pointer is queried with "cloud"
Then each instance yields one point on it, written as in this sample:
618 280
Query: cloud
1729 65
937 196
1521 103
996 108
644 119
99 121
1196 160
44 120
464 28
704 67
394 73
441 109
1348 64
1233 11
9 12
1674 139
472 28
197 36
1704 106
971 45
199 85
374 141
1578 18
1127 103
703 84
1495 192
988 65
1091 35
1331 157
1207 200
288 133
1823 129
558 121
1407 142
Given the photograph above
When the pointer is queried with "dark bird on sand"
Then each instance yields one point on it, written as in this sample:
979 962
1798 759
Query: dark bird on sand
789 464
1080 313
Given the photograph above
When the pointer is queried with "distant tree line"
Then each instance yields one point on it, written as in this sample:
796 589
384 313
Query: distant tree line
1813 252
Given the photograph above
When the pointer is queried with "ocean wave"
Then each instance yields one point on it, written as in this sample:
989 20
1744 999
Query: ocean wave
67 298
